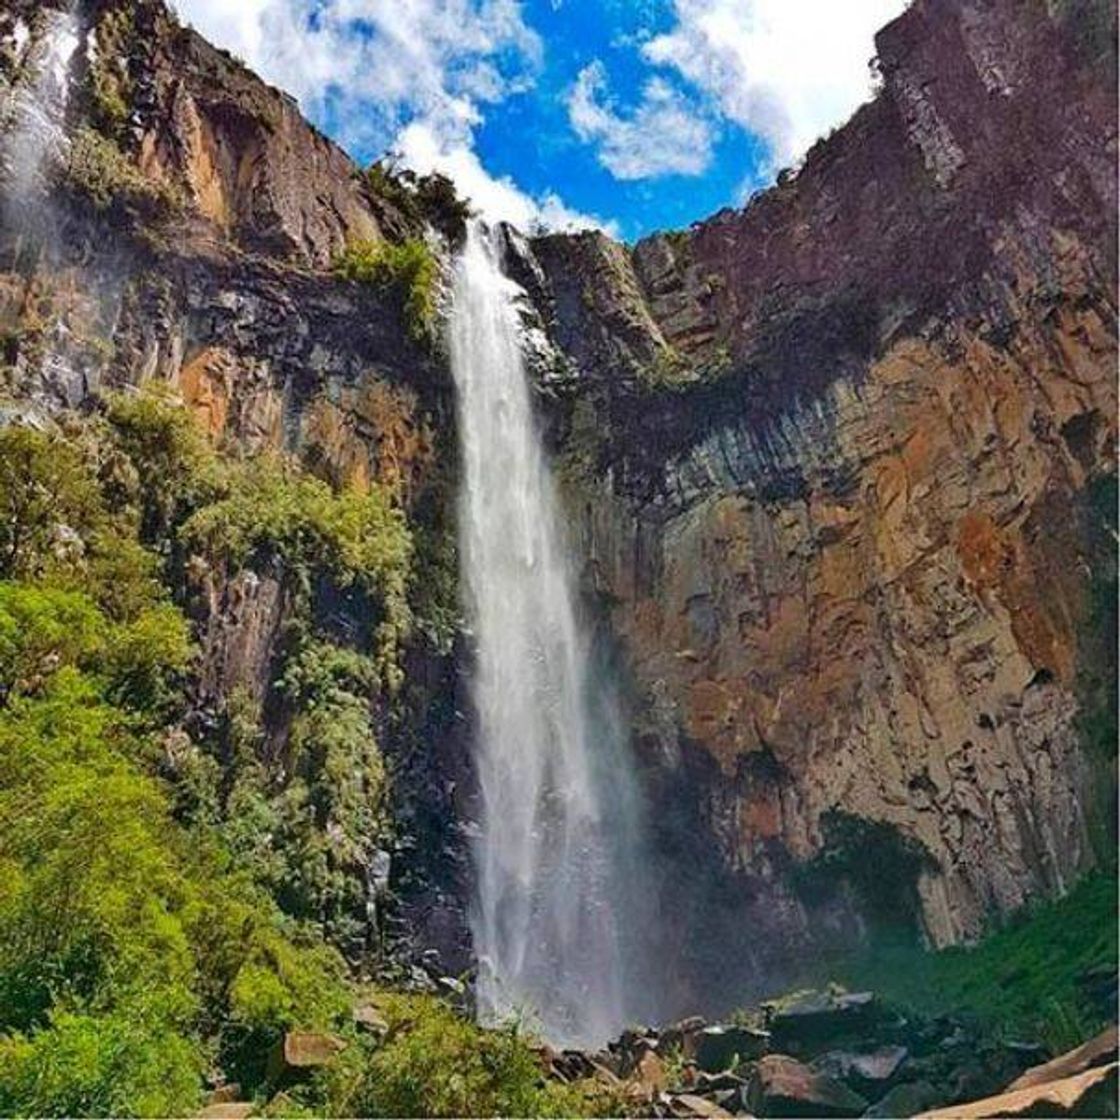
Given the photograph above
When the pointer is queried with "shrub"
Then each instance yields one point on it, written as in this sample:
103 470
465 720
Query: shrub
410 267
430 198
361 539
123 940
46 488
127 1063
434 1062
42 629
100 170
176 469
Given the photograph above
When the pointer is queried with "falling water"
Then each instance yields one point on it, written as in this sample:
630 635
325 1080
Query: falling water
33 110
556 851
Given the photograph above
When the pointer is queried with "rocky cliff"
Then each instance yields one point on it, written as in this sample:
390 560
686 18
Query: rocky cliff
835 462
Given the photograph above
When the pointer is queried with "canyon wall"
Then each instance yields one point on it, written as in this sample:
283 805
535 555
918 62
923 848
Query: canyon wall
834 462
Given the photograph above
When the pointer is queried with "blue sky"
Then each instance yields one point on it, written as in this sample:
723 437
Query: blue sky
632 115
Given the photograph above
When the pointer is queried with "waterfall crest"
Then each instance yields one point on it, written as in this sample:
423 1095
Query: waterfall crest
557 851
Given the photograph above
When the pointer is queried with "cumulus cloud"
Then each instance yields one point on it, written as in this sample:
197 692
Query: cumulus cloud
785 70
663 135
375 68
423 148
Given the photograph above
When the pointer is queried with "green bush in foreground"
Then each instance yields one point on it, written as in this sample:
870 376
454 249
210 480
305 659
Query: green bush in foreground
434 1062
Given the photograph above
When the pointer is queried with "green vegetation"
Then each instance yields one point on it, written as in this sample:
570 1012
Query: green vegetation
433 1062
175 891
97 168
271 510
132 954
109 82
410 267
420 198
1025 977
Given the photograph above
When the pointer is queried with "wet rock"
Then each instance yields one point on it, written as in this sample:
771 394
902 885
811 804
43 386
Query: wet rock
1090 1094
783 1086
722 1047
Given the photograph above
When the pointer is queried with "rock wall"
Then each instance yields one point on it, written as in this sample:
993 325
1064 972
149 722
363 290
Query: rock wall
827 460
827 457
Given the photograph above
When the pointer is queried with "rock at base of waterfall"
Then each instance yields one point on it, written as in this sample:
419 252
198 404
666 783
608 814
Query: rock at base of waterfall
721 1047
867 1071
905 1100
783 1086
800 1024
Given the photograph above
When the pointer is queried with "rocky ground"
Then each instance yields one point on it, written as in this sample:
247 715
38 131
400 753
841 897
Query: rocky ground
813 1053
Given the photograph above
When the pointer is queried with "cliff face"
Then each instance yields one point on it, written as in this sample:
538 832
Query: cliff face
829 459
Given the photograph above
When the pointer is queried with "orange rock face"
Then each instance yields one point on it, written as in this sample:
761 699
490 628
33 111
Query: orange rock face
849 560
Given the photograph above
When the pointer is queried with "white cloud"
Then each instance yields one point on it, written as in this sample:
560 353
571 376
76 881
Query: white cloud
662 136
422 148
376 68
786 70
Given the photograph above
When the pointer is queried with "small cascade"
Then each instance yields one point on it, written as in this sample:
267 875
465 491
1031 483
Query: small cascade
33 111
558 850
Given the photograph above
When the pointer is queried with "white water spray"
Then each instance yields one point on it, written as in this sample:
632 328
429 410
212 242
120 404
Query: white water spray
34 110
557 849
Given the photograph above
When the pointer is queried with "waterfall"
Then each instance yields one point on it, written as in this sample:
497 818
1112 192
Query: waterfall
34 110
557 848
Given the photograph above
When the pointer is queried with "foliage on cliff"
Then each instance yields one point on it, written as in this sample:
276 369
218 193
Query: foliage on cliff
410 267
131 951
135 947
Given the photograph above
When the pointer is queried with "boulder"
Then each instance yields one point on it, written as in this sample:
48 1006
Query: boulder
906 1099
227 1110
300 1052
224 1094
367 1018
648 1077
1096 1052
870 1072
810 1021
688 1106
721 1047
1088 1094
682 1036
783 1086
